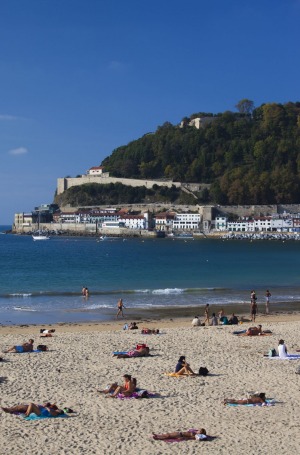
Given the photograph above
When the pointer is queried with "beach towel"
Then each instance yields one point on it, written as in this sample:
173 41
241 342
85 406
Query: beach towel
269 402
33 416
136 395
176 375
263 334
26 352
289 357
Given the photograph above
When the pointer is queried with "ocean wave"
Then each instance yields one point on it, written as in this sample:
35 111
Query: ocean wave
168 291
20 308
19 294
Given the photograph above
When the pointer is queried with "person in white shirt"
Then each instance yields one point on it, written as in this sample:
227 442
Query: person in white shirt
282 350
196 321
214 319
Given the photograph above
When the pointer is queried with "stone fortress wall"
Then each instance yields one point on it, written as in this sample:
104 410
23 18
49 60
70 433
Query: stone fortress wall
65 183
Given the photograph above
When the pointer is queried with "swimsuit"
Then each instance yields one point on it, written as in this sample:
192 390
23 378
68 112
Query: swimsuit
19 349
44 411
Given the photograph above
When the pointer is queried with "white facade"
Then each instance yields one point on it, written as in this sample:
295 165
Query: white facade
241 226
95 170
221 223
134 221
186 221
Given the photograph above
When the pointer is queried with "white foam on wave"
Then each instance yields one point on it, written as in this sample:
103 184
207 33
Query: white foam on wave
19 308
95 306
168 291
18 294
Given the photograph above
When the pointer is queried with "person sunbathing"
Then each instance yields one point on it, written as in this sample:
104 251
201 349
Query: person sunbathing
253 399
126 389
146 331
191 434
46 332
183 367
139 352
252 331
25 347
45 410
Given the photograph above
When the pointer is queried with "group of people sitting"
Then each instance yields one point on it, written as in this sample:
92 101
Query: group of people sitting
221 319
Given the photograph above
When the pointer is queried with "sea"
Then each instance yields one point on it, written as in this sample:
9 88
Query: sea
41 281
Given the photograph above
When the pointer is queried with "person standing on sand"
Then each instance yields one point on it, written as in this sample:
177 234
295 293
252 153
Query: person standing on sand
253 310
253 297
120 308
268 295
206 314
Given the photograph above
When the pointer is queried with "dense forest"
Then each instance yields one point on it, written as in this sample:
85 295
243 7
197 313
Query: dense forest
251 156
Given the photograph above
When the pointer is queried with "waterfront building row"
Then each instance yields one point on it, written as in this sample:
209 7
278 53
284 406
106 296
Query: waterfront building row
283 223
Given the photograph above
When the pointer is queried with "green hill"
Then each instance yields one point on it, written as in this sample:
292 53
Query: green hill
248 157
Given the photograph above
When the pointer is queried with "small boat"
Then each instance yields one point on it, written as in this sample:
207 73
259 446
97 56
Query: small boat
184 236
40 237
39 234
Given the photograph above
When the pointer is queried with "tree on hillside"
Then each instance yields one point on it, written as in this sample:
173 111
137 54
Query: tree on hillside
245 106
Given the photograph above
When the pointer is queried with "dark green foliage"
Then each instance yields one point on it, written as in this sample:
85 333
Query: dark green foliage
117 193
249 157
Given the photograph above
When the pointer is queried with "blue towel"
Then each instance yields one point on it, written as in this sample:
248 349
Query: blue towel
33 416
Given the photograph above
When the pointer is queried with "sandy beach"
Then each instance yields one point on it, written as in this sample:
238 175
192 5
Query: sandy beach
80 361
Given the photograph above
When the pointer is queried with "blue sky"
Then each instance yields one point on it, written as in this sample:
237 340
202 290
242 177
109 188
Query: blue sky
79 78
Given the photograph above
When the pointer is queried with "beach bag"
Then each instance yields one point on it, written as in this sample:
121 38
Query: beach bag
42 347
142 393
272 353
203 371
141 346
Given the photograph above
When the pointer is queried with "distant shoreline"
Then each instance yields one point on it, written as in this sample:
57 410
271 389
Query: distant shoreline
171 315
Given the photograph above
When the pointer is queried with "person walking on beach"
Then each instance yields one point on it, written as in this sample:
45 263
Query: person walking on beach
120 308
206 314
268 295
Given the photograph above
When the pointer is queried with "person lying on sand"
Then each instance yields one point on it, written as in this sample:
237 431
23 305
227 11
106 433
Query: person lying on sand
191 434
46 332
126 389
25 347
252 331
45 410
146 331
183 368
253 399
139 352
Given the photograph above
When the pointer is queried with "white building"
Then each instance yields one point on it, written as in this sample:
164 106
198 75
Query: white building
187 221
95 170
241 226
135 221
221 223
164 221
